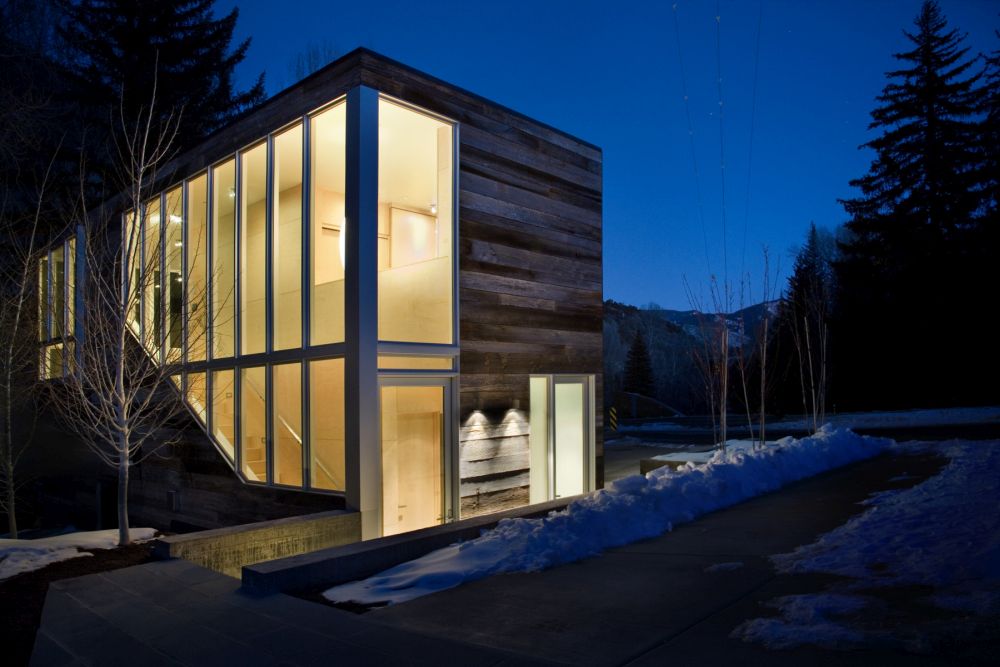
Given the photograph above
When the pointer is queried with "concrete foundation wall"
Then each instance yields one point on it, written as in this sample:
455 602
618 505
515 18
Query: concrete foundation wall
227 550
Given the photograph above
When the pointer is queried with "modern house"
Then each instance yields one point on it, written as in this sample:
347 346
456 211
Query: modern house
376 292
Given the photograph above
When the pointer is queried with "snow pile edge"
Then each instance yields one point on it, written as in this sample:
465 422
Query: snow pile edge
629 510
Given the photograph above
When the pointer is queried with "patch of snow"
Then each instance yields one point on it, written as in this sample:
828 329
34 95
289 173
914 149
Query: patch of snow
706 455
725 567
805 619
943 533
19 556
628 510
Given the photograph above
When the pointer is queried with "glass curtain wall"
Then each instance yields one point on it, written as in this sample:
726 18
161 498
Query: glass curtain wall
209 290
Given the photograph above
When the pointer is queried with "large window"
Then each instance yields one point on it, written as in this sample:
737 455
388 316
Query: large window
197 260
224 411
152 310
253 250
287 424
56 311
223 274
326 413
173 285
328 132
415 173
287 239
253 423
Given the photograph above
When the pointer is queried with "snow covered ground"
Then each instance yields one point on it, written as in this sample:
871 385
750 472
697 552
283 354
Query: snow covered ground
942 535
628 510
18 556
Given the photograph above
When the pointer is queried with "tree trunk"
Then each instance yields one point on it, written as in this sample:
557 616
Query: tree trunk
8 463
123 532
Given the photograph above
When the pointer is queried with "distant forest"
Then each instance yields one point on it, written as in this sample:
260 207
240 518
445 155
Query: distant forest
893 309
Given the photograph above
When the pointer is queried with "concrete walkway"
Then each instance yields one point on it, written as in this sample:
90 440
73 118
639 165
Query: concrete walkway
655 602
177 613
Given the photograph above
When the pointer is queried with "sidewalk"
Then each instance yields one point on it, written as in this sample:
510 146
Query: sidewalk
647 603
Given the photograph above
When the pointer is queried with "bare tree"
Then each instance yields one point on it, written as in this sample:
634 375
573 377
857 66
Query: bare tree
713 356
22 239
120 399
764 341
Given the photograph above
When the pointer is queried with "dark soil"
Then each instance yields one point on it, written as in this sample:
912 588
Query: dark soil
23 596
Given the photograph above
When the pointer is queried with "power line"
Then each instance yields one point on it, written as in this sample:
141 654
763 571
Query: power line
722 140
690 129
753 119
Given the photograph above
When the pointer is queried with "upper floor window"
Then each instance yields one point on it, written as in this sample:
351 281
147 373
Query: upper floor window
415 226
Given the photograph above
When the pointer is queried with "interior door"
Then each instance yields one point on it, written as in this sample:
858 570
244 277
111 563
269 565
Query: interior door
413 431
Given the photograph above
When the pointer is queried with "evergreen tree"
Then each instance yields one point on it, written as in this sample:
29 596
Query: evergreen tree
907 261
638 368
802 339
990 145
119 49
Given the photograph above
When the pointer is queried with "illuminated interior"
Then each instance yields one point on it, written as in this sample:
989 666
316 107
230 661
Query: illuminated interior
412 420
415 222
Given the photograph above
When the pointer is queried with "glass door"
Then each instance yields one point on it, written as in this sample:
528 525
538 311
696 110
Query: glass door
561 442
570 441
413 435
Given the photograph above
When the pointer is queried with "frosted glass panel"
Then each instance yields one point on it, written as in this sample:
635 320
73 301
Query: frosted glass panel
412 450
539 440
570 439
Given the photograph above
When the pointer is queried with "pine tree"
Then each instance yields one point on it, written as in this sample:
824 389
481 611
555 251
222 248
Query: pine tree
912 229
638 368
803 335
118 49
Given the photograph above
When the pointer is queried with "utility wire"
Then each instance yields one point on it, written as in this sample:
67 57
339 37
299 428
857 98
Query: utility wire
690 129
753 118
722 140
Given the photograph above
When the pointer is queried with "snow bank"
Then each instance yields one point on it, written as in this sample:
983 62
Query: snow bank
19 556
630 509
943 533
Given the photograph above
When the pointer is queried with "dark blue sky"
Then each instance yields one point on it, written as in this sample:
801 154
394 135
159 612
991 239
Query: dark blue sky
608 72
